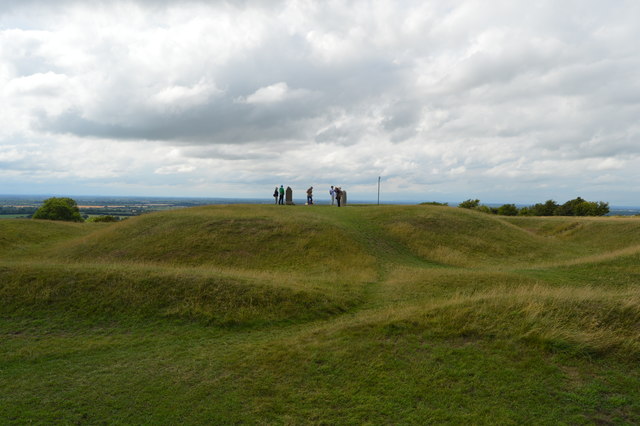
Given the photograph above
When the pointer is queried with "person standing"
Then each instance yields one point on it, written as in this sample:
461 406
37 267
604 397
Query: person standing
310 195
275 194
338 195
332 192
281 199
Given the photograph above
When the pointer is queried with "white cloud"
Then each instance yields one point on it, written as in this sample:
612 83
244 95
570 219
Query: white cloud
451 98
173 169
178 98
40 85
273 93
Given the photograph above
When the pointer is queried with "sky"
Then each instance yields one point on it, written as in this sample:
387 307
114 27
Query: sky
506 101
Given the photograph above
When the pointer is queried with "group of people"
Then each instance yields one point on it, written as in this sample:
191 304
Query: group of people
278 194
336 194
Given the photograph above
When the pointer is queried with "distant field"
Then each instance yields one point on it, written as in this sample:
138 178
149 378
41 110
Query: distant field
14 216
296 315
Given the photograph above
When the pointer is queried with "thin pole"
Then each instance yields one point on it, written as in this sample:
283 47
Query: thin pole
378 190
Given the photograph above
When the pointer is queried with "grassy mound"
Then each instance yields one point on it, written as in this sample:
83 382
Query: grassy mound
460 237
101 294
255 237
600 234
21 237
216 265
291 315
584 321
487 359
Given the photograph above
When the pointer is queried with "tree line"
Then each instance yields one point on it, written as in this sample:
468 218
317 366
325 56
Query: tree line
6 210
576 207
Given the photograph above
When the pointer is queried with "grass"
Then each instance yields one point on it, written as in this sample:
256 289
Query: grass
376 314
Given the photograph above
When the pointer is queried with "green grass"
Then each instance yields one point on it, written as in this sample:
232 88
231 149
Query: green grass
298 315
14 216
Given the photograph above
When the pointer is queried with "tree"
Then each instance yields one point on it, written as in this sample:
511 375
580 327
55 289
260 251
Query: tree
602 208
546 209
569 208
508 210
486 209
469 204
581 207
59 209
526 211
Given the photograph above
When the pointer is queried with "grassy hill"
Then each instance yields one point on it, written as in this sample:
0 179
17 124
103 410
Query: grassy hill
365 314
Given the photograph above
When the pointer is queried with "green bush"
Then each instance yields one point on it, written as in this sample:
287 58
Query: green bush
508 210
547 209
581 207
469 204
486 209
107 218
59 209
433 203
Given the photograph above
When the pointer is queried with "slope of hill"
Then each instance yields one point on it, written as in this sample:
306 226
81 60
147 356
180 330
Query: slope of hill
22 236
371 314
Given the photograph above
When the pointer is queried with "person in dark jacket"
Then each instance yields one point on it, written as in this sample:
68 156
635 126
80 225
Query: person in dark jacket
275 195
310 195
281 199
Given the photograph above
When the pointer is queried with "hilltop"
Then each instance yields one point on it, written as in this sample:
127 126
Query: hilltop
380 314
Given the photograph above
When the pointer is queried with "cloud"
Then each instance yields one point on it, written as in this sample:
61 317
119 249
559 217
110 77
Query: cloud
267 95
178 98
174 169
440 97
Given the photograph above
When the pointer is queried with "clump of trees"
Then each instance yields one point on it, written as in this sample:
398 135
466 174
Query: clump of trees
59 208
469 204
576 207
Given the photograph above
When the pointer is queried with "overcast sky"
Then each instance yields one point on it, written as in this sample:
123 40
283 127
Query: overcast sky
505 101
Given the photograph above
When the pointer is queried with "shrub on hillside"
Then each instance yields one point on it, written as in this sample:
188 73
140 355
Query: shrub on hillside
547 209
62 208
469 204
107 218
575 207
581 207
508 210
486 209
433 203
475 205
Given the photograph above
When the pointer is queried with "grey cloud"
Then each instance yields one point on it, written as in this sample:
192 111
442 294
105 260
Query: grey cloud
224 120
281 57
494 87
337 135
226 123
233 153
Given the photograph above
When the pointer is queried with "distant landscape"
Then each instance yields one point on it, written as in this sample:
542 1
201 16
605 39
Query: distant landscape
391 314
23 206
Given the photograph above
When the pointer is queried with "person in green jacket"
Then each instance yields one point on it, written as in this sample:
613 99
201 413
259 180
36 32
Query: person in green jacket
281 199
